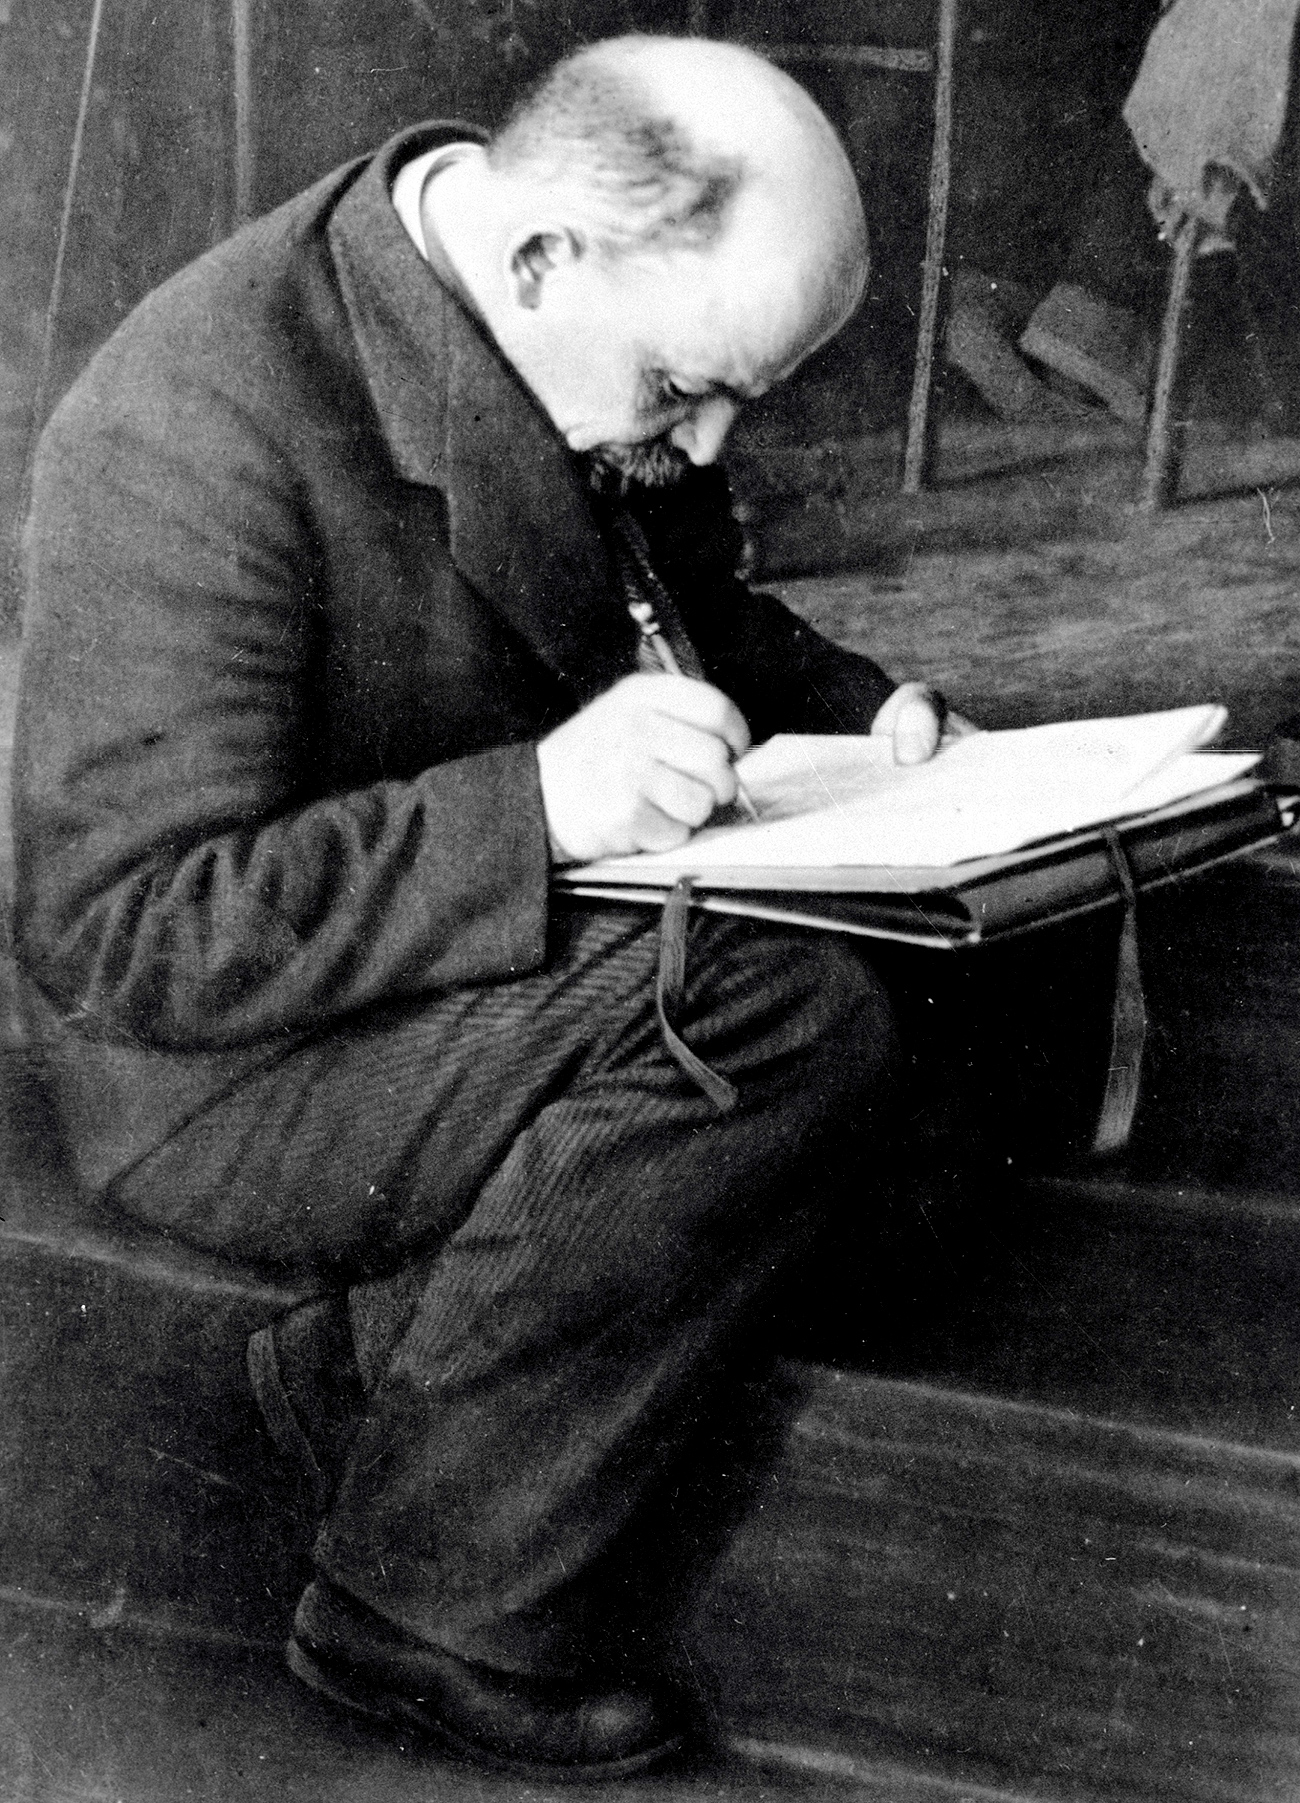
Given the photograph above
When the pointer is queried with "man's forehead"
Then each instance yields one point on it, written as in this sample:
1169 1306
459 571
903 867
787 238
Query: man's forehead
737 351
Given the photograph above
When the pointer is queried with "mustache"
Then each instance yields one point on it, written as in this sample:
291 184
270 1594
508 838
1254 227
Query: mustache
614 468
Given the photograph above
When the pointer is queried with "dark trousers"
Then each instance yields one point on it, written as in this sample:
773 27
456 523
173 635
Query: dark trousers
557 1254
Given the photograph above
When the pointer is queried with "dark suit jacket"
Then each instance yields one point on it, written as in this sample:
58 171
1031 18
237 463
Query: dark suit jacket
309 573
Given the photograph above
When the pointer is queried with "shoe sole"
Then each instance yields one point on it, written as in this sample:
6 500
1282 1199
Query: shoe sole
394 1711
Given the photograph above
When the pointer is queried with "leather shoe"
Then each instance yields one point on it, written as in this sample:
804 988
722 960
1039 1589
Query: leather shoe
532 1727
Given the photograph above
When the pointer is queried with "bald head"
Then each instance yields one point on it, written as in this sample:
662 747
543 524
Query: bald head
664 229
676 143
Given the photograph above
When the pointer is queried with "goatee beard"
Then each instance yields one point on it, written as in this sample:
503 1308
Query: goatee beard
614 468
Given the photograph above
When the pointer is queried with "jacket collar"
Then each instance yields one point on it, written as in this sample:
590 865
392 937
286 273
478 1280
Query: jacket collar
456 417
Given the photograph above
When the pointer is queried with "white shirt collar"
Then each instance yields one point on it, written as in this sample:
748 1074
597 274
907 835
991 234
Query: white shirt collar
408 188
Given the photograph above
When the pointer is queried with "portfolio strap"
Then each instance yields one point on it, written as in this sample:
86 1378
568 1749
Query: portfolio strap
1128 1029
1128 1025
670 992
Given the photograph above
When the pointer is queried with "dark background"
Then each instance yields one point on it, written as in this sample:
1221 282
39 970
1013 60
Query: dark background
331 78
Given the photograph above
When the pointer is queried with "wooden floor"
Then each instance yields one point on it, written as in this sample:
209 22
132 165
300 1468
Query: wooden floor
939 1593
1028 587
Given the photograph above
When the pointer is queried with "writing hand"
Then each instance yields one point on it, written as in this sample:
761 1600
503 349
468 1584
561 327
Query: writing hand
918 719
639 768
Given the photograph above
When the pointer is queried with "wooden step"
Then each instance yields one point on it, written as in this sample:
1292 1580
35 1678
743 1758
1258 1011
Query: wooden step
1024 1598
973 1590
1157 1304
938 1587
115 1712
135 1474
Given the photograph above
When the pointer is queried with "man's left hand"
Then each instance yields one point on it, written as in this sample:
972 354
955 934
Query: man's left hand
918 720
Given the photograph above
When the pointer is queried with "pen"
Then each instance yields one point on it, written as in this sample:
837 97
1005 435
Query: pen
644 615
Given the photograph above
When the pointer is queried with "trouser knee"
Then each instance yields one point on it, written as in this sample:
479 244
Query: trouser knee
777 1002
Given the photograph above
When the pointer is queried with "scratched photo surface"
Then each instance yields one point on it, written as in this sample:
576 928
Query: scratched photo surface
784 1360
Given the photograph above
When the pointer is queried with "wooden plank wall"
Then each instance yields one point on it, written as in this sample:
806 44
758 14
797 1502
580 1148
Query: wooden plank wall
330 78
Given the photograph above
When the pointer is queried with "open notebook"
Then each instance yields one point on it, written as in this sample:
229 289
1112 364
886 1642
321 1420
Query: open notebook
999 832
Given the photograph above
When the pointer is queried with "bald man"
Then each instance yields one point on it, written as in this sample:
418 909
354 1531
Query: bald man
330 661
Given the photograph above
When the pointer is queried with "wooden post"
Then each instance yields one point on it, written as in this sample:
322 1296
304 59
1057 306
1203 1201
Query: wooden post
1166 434
54 303
916 456
241 57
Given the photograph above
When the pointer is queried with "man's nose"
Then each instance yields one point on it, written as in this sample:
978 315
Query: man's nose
702 434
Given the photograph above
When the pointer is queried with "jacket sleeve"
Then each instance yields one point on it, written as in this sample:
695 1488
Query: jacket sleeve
179 879
782 673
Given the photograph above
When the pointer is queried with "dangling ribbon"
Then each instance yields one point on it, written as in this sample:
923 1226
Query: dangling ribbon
670 993
1128 1026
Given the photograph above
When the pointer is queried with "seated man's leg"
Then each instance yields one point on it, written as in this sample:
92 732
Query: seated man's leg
556 1246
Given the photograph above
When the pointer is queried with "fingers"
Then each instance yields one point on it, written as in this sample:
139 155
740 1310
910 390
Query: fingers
686 761
652 830
913 718
917 732
957 726
640 767
916 717
680 795
690 703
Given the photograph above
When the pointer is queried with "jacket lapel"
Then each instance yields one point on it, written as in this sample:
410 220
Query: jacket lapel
456 417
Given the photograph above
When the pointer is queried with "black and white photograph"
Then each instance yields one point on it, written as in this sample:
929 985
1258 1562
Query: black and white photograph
649 901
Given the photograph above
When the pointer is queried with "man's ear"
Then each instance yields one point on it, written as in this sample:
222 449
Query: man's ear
537 257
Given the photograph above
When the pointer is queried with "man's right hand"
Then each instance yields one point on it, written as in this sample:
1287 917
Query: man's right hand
639 768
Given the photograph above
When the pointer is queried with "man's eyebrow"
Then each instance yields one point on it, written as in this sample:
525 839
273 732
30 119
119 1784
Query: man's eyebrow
726 391
715 389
